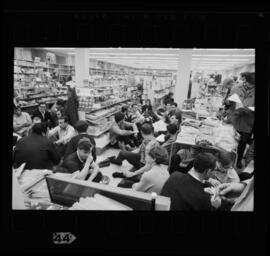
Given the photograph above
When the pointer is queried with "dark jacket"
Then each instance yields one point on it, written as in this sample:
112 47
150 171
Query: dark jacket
72 145
47 117
37 151
71 108
186 193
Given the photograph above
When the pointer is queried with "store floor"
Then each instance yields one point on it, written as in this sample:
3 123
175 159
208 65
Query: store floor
108 171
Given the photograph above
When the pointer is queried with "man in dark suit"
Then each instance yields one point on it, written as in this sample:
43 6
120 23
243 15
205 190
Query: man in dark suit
36 150
44 115
81 127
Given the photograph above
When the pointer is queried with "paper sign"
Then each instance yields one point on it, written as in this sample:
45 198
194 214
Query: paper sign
83 92
235 98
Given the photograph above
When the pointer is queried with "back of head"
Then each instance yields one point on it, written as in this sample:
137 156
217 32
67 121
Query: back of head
225 158
124 109
119 117
204 161
81 126
249 76
84 144
227 82
60 102
147 129
172 129
39 128
158 153
177 114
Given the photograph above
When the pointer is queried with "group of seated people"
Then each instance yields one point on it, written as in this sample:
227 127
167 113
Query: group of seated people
64 148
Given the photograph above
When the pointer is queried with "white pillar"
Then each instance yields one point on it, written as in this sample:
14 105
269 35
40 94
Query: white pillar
81 66
183 75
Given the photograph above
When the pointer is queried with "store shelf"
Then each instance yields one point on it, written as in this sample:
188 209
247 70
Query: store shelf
92 111
101 117
100 132
39 97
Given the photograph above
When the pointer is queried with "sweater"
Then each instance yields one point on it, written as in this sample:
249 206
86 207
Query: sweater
153 180
186 193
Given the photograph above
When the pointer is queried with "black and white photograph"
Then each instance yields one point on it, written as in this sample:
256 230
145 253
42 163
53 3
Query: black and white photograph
133 129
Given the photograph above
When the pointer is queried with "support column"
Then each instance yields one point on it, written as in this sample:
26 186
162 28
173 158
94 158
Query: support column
183 75
81 66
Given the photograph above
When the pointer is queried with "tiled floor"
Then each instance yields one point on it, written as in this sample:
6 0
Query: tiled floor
108 171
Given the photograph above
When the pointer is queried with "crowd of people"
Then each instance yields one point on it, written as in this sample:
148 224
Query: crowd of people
194 180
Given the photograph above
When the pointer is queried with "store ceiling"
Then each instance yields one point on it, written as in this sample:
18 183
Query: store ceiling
168 58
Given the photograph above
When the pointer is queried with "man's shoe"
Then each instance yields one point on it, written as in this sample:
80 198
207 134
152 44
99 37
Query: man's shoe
117 162
239 165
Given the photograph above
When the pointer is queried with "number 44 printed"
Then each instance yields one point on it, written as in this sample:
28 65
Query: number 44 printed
63 238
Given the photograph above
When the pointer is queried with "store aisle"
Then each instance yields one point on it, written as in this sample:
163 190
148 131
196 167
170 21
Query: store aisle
108 171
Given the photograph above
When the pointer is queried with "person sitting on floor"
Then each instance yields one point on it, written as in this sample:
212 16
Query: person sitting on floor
44 115
36 150
224 171
81 162
36 120
154 179
137 157
183 160
174 107
81 127
175 118
147 106
170 138
118 132
63 133
128 116
21 121
187 190
136 114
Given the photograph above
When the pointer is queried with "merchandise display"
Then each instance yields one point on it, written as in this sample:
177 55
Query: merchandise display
131 110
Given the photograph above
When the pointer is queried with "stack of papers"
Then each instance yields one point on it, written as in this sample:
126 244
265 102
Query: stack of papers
99 203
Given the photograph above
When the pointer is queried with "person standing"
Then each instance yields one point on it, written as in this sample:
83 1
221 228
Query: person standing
243 118
71 107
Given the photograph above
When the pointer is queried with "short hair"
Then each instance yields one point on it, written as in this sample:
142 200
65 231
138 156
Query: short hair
124 108
225 158
172 128
119 117
16 107
60 102
147 128
175 104
228 81
84 144
170 94
148 101
158 153
249 76
81 126
177 114
204 162
39 128
65 118
161 111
